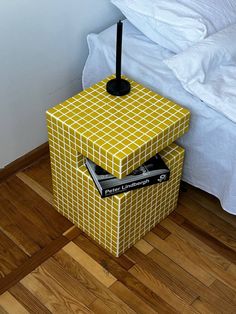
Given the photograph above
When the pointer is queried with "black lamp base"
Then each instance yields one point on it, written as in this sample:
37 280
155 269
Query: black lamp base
118 87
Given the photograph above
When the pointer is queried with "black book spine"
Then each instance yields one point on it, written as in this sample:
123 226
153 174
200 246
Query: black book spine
135 185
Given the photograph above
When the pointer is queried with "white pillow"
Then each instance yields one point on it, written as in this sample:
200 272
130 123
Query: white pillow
208 70
178 24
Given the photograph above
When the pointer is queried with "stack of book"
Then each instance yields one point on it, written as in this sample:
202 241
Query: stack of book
151 172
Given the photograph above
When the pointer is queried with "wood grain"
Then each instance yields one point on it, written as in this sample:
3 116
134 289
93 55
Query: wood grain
11 256
207 239
143 246
162 279
30 264
180 259
33 207
152 299
33 236
201 254
41 173
72 233
28 300
211 204
195 247
2 311
99 307
186 264
11 305
197 204
161 232
55 297
211 241
218 229
102 293
35 186
56 272
224 291
100 273
130 298
201 307
210 299
159 288
24 161
123 261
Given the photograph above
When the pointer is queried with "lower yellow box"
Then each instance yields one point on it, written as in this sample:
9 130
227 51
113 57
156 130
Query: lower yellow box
115 222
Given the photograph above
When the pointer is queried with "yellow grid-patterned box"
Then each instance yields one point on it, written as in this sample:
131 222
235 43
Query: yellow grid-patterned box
119 133
116 222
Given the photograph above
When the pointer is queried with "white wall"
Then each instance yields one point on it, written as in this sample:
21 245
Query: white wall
42 52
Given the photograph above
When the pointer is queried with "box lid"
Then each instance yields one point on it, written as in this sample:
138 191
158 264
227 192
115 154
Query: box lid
121 133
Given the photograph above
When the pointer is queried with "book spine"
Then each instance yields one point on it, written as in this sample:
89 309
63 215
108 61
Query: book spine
135 185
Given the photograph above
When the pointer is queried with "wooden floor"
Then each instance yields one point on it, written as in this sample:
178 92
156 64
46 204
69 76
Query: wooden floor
187 264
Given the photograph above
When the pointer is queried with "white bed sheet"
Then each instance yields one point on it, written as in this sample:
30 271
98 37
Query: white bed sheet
210 144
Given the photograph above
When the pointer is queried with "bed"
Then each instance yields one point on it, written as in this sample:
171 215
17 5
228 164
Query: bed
210 144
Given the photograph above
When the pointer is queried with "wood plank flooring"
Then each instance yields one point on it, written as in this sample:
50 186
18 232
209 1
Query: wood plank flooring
186 264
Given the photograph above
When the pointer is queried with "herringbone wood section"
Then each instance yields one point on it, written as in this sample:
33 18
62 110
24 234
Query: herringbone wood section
184 265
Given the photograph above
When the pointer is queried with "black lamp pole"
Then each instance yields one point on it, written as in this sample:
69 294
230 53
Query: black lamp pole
119 49
118 86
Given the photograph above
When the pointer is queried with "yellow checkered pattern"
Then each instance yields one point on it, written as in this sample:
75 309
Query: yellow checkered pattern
115 222
118 133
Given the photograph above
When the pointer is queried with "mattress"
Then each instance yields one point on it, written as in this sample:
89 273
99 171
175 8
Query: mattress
210 144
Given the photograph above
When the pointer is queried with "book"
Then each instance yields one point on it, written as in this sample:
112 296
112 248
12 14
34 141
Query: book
151 172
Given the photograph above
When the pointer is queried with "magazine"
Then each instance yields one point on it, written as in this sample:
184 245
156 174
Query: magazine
151 172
